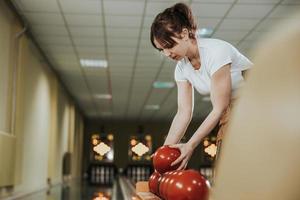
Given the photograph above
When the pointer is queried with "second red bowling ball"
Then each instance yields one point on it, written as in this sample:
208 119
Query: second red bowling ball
187 185
163 158
153 182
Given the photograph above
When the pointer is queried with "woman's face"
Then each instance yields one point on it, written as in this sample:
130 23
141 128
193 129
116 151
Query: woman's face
177 52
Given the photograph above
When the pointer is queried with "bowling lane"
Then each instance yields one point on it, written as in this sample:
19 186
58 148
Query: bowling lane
128 188
79 191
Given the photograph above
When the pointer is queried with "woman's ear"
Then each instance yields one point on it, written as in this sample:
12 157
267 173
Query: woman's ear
185 34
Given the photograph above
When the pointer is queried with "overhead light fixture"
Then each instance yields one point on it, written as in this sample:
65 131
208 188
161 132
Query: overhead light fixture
102 148
133 142
163 85
152 107
93 63
140 149
110 137
110 155
103 96
205 32
211 150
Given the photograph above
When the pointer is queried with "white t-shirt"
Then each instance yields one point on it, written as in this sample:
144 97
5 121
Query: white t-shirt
214 54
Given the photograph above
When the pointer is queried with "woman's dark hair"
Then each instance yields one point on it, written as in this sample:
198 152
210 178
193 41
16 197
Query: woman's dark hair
170 23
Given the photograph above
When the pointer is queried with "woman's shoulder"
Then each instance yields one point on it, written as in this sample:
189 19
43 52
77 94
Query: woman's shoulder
213 43
215 48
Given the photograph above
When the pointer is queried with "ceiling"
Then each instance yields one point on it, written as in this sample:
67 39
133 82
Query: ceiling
118 31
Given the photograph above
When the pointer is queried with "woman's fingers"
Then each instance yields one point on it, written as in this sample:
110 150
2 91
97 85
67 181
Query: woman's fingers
182 165
185 165
178 160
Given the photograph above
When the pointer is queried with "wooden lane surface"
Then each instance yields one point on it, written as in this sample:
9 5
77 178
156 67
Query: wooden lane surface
143 193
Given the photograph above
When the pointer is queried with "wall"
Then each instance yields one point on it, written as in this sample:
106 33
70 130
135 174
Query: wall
44 126
7 138
32 126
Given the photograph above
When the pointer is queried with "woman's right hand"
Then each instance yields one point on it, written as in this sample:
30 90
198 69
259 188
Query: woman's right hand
186 152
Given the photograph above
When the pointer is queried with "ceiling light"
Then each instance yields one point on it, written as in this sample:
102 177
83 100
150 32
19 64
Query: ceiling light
93 63
205 32
110 155
103 96
163 85
140 149
102 148
110 137
211 150
152 107
133 142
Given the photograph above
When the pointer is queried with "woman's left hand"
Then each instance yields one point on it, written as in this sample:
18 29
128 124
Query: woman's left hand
186 153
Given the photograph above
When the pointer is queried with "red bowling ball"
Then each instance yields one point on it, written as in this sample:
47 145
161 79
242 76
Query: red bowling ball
163 158
169 178
153 182
187 185
163 182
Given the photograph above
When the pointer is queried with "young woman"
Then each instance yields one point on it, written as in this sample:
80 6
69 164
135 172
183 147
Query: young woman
211 66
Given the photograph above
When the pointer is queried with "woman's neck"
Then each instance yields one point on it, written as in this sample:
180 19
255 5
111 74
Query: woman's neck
193 52
193 55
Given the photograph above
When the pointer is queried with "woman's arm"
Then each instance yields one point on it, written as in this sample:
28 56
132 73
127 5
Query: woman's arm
220 98
183 116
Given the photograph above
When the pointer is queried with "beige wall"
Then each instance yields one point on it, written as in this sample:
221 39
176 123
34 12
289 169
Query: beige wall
77 146
60 140
34 115
7 153
47 123
7 26
7 139
66 135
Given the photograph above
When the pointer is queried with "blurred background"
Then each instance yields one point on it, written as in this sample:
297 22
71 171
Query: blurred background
86 99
